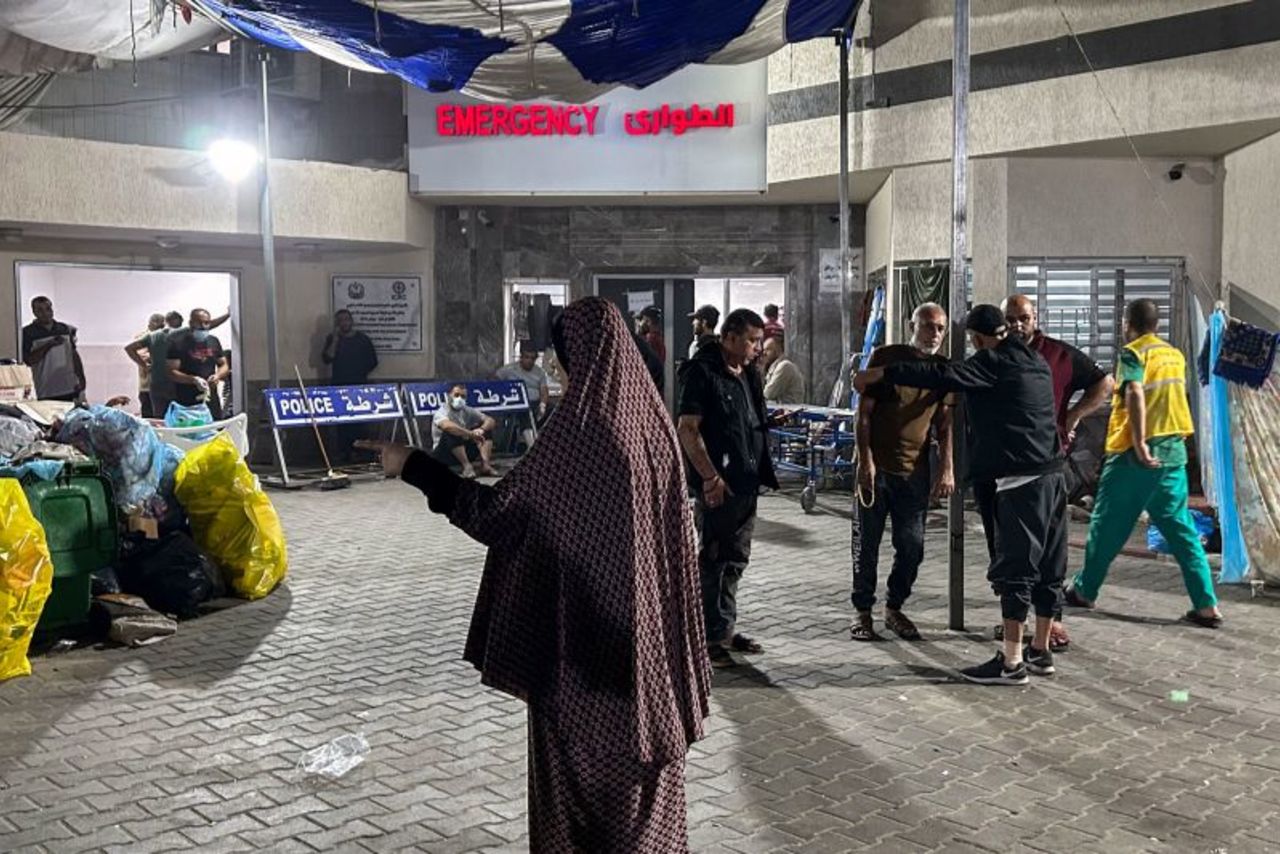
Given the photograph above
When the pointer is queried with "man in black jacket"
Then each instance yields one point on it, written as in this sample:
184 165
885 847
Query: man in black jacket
723 429
1013 441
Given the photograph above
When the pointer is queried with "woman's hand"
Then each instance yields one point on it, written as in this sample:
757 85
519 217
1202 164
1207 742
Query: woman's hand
392 454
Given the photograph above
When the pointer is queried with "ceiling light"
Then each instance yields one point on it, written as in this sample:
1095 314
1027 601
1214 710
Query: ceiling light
10 235
168 242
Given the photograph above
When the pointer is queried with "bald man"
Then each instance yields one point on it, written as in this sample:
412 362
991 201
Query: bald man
1073 372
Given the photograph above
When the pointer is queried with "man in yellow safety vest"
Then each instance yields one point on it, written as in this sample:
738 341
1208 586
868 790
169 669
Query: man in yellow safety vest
1146 467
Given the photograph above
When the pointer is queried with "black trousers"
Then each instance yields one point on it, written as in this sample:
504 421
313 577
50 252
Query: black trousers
346 437
903 500
1031 547
984 495
724 551
444 449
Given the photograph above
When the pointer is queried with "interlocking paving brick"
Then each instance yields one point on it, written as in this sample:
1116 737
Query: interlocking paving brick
822 745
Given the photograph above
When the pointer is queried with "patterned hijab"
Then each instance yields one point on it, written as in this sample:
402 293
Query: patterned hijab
589 608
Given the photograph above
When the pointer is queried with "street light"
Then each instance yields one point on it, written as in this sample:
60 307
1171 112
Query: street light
235 160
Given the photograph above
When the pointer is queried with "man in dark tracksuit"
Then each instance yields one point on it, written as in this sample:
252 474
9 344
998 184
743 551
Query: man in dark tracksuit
723 429
1013 441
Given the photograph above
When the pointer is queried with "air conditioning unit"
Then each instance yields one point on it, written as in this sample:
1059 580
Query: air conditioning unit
293 74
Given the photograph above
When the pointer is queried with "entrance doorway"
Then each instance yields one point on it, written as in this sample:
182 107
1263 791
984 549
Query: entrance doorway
677 298
109 306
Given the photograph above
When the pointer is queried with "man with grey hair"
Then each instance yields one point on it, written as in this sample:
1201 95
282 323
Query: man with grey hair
897 426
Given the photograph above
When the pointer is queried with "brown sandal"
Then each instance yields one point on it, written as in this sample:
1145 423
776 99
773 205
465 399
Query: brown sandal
900 624
863 628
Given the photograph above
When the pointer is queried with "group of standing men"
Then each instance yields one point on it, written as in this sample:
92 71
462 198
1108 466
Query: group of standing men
1023 412
180 364
1027 394
186 364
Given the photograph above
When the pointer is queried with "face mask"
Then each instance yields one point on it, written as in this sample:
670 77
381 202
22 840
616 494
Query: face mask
458 402
200 335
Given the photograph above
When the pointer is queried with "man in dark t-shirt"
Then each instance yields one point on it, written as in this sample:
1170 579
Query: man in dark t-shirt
896 429
351 357
197 364
349 353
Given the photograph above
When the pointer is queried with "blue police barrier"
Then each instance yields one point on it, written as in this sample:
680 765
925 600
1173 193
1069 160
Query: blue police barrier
334 405
493 397
329 405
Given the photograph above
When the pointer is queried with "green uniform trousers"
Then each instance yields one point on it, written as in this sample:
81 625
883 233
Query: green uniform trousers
1125 489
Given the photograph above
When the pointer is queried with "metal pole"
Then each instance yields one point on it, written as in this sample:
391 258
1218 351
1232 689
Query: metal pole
268 235
959 302
846 285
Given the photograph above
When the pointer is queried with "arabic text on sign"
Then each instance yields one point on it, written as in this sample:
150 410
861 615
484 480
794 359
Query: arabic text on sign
678 121
515 120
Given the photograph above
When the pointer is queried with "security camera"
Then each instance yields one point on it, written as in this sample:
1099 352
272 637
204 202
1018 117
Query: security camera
1176 170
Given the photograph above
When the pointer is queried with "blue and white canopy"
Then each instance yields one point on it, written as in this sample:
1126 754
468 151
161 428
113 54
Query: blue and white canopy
569 50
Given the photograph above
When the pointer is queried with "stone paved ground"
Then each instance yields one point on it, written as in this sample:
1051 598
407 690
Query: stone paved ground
822 746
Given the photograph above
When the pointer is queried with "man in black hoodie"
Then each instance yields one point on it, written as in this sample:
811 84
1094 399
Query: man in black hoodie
1013 441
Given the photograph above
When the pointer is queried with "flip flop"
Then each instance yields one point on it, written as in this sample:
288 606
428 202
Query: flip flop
744 644
1059 640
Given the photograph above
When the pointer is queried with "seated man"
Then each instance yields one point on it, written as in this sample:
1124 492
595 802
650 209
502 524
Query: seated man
536 385
461 434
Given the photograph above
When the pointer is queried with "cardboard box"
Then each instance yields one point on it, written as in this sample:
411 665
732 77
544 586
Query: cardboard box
16 384
149 528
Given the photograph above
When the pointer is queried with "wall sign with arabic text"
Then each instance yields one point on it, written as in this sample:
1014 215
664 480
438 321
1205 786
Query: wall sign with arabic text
386 308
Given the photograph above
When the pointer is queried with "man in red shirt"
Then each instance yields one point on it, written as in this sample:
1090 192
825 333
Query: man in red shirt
773 327
1073 372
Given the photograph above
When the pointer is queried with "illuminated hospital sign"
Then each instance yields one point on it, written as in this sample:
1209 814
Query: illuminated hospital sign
573 120
702 130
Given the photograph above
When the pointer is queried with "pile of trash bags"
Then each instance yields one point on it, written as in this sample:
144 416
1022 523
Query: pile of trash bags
195 526
140 467
26 577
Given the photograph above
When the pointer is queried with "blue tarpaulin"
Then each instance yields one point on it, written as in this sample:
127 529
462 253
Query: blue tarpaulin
518 49
1235 557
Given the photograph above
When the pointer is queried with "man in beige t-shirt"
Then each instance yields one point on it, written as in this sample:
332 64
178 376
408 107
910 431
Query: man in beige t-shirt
783 381
897 426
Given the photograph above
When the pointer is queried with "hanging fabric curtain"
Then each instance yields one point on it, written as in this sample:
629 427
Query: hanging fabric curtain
921 285
19 94
1255 420
520 49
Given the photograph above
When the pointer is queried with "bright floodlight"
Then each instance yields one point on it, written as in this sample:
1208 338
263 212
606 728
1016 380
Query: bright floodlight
232 159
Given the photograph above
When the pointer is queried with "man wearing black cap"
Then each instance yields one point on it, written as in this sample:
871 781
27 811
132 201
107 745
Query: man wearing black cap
705 320
649 327
1013 441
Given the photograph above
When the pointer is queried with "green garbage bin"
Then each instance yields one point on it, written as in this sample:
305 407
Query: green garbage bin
78 513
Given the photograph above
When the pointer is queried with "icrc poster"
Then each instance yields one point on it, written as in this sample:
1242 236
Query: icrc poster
386 308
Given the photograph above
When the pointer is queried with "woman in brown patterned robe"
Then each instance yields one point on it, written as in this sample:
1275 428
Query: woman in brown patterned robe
589 606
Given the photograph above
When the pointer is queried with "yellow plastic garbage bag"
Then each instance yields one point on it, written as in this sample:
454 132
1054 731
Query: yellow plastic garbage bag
231 518
26 577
